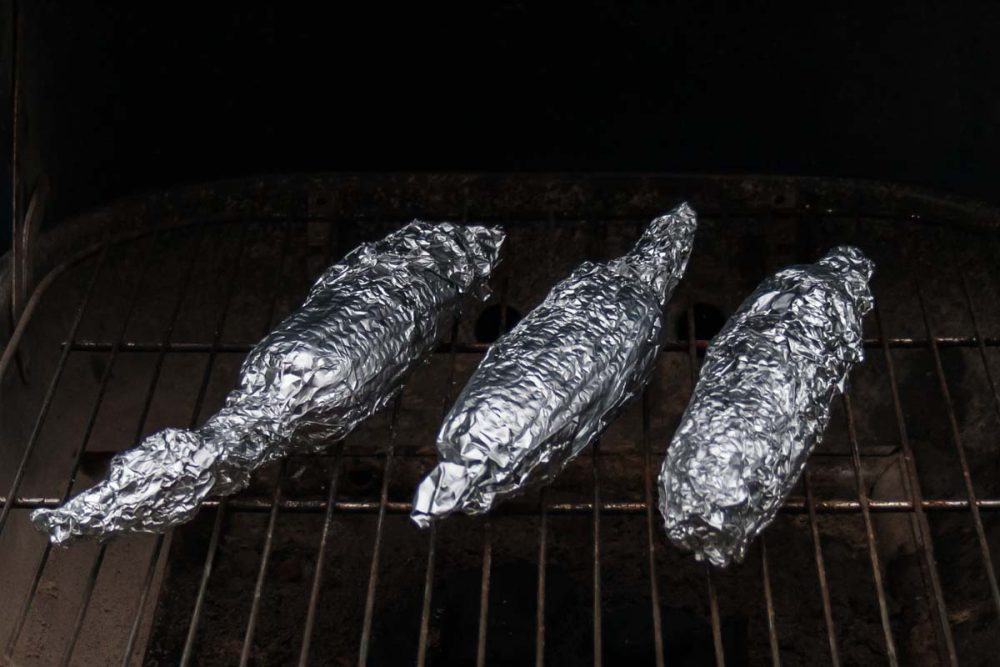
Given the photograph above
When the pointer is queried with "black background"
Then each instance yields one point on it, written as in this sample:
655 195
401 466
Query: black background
124 97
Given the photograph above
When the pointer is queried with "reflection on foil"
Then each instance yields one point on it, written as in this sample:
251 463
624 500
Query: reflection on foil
761 404
329 365
550 387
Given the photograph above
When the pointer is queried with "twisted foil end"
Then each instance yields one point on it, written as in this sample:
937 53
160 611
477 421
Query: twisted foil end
856 270
660 257
447 489
149 488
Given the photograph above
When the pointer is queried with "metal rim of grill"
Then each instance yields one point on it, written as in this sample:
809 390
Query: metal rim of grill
310 210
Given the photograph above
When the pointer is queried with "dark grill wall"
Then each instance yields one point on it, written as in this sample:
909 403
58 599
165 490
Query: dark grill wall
123 96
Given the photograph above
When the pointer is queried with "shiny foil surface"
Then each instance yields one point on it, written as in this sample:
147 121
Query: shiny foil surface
550 386
761 404
368 321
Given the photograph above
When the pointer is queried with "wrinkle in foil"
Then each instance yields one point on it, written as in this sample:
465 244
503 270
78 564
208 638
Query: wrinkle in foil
761 404
368 321
550 386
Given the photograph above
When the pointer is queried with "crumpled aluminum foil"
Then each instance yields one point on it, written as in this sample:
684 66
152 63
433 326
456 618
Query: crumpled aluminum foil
338 359
549 387
762 403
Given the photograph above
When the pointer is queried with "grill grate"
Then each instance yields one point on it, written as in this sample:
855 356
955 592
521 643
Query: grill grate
149 331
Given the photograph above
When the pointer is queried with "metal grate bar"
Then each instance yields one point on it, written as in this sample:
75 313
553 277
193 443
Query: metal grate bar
213 543
639 216
794 505
82 613
416 451
824 588
425 614
315 588
276 500
883 606
147 583
540 596
366 628
206 572
484 593
654 585
317 581
713 607
765 569
982 345
963 461
598 651
772 623
807 248
923 534
713 598
194 347
598 638
262 571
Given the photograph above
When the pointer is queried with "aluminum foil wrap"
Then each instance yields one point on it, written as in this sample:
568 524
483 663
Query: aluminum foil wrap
366 323
550 386
761 404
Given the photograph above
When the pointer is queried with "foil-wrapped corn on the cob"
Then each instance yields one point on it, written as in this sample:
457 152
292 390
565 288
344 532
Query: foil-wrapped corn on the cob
339 358
550 387
762 402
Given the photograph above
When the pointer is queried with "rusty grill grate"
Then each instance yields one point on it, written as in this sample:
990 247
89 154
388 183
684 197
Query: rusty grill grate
884 552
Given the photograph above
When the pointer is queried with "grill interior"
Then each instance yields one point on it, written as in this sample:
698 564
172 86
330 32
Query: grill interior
883 553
